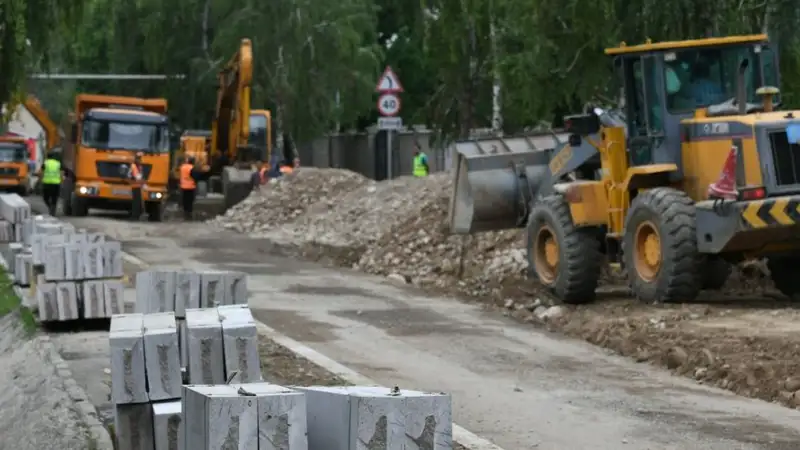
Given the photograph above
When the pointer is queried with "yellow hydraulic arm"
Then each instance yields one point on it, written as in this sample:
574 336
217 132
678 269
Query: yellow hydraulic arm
230 127
40 114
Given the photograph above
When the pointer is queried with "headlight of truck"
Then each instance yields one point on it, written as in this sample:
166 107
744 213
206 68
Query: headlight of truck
88 190
155 195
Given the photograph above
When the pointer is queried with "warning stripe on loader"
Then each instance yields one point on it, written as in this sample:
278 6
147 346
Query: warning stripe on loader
778 212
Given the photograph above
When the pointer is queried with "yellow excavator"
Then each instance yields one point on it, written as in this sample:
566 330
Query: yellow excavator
699 170
240 137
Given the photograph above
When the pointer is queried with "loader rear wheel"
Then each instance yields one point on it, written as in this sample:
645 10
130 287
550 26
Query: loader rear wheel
565 259
785 274
660 247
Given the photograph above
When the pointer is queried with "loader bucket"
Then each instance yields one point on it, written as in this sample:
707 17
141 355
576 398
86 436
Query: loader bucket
488 190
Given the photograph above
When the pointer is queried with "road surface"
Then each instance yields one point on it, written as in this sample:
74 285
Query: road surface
519 387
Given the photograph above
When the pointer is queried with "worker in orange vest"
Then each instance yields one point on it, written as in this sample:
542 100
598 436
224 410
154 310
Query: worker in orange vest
189 176
136 176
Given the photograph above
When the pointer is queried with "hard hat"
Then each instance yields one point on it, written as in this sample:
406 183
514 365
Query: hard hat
139 154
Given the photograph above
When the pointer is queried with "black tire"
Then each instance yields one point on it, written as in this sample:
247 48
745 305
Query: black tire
670 215
67 195
155 211
785 274
577 270
79 206
715 273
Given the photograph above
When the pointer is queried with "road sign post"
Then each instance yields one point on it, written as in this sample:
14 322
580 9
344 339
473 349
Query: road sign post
389 104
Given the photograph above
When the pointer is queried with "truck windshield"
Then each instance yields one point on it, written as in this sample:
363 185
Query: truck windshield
258 131
125 136
13 152
707 76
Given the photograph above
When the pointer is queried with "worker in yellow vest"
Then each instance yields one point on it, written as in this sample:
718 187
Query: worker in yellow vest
420 167
51 176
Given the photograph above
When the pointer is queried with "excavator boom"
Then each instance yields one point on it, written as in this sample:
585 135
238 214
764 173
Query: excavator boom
230 128
52 134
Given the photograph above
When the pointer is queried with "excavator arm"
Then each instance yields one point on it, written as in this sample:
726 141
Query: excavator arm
52 134
230 128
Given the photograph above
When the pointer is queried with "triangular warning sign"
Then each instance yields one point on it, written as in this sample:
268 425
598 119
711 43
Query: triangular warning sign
388 82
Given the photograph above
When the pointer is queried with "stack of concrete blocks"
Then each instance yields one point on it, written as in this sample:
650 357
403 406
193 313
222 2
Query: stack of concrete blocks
221 345
257 416
163 290
13 213
366 417
145 381
80 273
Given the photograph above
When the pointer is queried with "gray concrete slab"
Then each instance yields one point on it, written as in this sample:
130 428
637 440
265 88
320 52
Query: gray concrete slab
162 356
217 417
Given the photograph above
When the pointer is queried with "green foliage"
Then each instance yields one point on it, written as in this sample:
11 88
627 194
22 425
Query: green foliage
547 54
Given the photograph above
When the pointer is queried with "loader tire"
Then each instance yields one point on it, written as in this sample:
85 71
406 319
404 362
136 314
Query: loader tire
565 259
785 274
659 247
715 273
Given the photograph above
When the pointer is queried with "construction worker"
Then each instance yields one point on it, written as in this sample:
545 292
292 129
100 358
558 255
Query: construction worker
51 175
420 167
190 175
136 176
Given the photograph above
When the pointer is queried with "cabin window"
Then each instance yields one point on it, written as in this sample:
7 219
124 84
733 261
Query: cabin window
105 135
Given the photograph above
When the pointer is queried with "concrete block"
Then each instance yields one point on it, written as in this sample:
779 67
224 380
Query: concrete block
204 347
18 233
240 344
77 238
67 296
112 260
73 261
187 292
235 288
133 426
282 422
162 356
126 342
217 417
47 226
95 238
6 231
23 268
13 208
212 289
182 343
46 298
54 263
344 418
167 428
155 291
92 262
93 298
113 296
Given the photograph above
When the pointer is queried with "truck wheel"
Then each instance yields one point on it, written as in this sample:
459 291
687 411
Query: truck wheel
79 206
785 274
155 211
565 259
66 199
715 272
659 247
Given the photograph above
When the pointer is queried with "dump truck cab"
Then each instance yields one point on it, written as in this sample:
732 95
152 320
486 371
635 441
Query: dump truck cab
697 170
14 169
107 133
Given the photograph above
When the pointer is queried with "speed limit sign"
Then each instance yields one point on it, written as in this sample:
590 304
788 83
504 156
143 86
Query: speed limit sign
388 104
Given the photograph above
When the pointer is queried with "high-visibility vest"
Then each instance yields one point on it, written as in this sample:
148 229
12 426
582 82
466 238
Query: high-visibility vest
52 172
419 169
187 182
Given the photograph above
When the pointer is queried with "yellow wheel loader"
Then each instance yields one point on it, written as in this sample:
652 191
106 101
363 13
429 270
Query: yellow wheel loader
699 169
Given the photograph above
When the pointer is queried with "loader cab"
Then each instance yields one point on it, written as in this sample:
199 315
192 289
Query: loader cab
665 83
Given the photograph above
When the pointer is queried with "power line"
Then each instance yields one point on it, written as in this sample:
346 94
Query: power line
109 76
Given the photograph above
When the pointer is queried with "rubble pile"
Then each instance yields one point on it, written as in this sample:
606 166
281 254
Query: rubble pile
422 251
285 200
364 215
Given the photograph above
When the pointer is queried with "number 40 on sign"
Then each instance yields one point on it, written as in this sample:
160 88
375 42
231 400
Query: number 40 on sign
388 104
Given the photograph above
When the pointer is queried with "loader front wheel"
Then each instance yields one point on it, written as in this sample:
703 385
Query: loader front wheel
564 258
660 247
785 274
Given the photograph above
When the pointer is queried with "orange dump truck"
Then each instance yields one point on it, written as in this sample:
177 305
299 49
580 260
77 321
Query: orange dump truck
14 164
106 133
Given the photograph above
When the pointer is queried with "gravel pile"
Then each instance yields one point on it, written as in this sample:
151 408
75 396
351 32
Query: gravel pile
283 201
